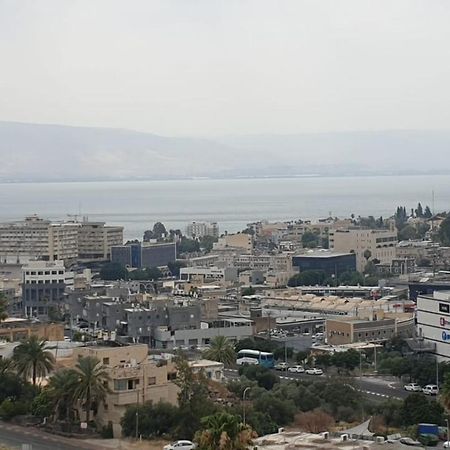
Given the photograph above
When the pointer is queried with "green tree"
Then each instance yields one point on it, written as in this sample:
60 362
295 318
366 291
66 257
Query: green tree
444 232
33 359
348 360
3 307
61 393
427 213
445 392
264 377
114 271
416 409
407 233
419 210
92 384
222 350
154 420
223 431
207 242
175 267
187 245
280 410
307 278
310 239
248 291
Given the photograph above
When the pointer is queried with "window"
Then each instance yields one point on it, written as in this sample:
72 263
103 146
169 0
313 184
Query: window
120 385
151 381
444 307
106 361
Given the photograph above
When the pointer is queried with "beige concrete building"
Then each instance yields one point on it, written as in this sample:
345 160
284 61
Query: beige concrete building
14 329
380 242
36 238
349 330
95 240
213 370
238 240
134 379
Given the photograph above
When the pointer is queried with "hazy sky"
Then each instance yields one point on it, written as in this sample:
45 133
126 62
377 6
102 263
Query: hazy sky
210 67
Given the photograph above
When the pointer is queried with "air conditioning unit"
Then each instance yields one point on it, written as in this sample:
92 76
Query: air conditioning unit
379 439
326 435
344 437
280 430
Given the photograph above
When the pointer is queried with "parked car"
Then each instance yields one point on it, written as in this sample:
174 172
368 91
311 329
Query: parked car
430 389
314 371
447 444
282 366
412 387
409 441
180 445
296 369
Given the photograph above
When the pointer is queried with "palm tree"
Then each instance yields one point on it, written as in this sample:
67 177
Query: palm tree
221 350
33 359
61 389
6 366
93 383
223 431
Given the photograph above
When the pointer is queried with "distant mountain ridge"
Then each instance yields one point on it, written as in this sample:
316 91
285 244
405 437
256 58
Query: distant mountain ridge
35 152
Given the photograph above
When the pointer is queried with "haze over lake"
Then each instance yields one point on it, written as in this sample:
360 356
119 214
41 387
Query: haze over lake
231 202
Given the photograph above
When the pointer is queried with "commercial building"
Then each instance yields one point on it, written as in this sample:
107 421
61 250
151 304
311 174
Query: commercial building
133 379
232 328
367 244
349 330
202 229
433 321
14 329
332 263
148 254
43 286
204 275
95 240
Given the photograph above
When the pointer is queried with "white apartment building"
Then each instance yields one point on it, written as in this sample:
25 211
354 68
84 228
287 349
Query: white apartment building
43 287
95 239
202 229
380 242
36 238
433 322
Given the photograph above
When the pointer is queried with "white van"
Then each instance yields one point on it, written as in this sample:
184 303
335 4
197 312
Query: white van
430 389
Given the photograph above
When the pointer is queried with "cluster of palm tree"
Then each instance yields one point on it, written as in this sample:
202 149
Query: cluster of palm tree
223 431
84 386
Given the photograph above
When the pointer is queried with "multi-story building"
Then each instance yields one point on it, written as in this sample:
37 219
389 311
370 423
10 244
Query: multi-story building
202 229
36 238
95 240
43 286
239 240
148 254
332 263
209 274
133 379
367 244
433 322
348 330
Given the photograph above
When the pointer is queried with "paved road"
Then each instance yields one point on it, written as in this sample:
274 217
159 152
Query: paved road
14 436
372 386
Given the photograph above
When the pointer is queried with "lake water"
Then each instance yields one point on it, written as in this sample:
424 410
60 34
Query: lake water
232 203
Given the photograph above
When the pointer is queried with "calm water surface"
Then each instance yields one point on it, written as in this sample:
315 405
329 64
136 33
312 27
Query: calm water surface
232 203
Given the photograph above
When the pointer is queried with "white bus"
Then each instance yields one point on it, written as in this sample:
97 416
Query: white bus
264 359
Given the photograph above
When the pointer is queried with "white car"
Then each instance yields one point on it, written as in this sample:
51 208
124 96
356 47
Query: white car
413 387
314 371
430 389
296 369
180 445
447 444
282 366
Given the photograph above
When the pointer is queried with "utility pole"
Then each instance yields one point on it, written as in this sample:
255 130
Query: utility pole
137 414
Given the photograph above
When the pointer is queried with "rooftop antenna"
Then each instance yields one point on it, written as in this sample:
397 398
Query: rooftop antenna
432 202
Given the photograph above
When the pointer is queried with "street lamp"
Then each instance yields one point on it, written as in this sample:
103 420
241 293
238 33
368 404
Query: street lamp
243 403
448 434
